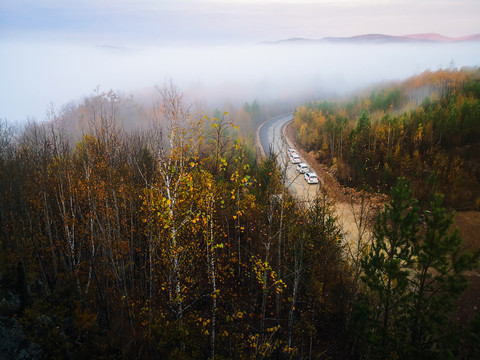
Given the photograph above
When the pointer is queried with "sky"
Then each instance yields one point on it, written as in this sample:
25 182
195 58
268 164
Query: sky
59 50
116 22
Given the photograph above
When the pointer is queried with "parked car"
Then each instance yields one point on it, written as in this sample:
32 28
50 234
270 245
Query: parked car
302 168
295 159
311 178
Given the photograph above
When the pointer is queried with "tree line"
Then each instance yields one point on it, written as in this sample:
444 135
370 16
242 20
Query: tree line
426 129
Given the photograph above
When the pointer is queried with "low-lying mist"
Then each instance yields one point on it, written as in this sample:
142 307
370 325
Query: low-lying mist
35 75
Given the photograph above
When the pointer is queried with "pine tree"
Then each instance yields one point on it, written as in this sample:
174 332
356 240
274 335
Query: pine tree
387 266
414 275
436 282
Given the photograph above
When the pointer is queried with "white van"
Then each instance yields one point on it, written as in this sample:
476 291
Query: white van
295 159
311 178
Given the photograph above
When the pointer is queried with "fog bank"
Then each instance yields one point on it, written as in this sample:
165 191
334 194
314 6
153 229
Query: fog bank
35 74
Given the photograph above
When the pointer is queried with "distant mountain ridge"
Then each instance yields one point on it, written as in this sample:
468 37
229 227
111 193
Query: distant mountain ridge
382 38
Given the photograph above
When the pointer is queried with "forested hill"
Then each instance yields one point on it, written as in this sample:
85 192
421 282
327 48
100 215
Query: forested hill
426 129
175 243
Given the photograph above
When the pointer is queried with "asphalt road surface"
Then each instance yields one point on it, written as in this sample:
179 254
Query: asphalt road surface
273 140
